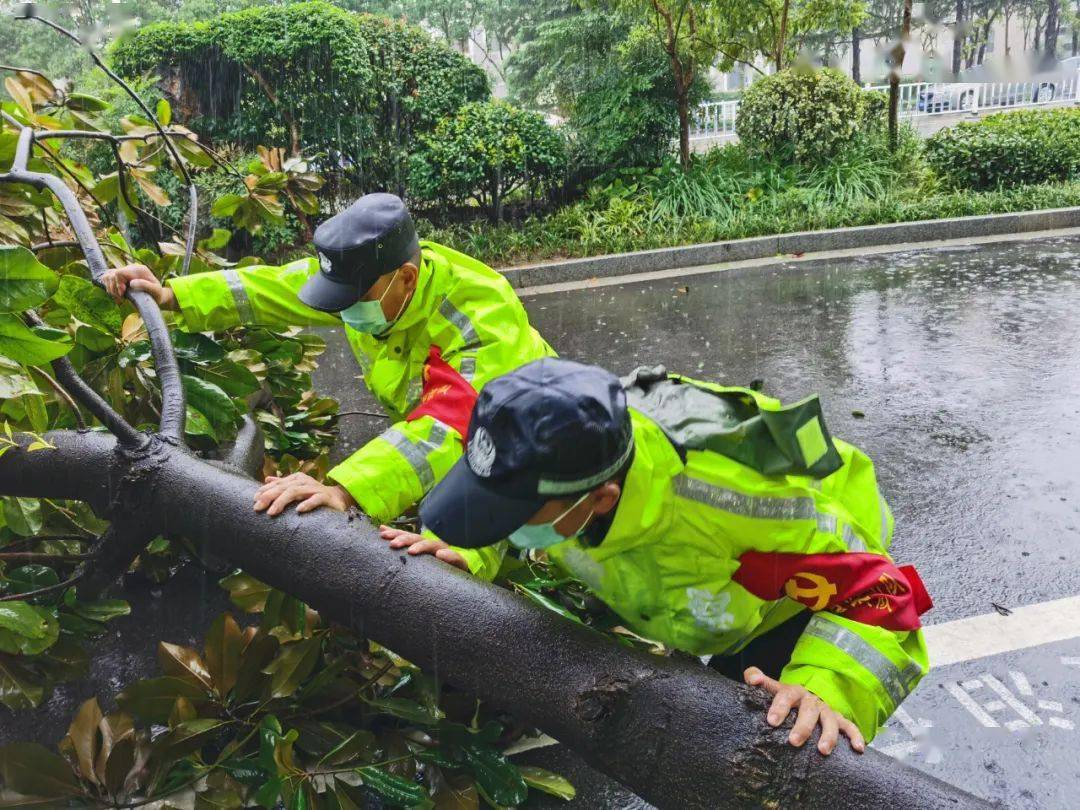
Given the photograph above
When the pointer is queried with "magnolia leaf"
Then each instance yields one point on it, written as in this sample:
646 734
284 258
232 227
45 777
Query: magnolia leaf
213 403
246 592
164 112
20 94
224 648
83 736
22 515
397 790
24 281
226 205
548 782
26 629
107 187
408 710
89 303
184 663
198 425
121 759
294 663
153 699
496 775
23 345
84 103
33 770
102 610
20 688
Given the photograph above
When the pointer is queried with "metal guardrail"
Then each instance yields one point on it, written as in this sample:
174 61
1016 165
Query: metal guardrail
715 120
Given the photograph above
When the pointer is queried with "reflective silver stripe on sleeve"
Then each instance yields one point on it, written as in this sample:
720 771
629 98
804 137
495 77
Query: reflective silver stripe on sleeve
897 682
461 321
468 368
240 296
415 453
746 505
851 538
826 523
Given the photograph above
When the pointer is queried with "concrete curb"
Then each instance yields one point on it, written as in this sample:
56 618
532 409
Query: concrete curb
762 247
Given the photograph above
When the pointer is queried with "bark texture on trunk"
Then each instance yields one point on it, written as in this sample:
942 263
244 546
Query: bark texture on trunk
673 731
856 55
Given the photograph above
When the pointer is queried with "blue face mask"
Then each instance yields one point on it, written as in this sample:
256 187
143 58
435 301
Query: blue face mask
368 316
544 535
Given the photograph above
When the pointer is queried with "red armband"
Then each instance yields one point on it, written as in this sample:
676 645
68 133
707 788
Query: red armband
447 396
863 587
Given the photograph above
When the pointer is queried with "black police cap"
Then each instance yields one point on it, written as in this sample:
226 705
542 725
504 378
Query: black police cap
552 429
372 237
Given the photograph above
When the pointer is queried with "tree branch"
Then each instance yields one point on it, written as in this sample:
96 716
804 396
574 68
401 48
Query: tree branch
59 586
80 423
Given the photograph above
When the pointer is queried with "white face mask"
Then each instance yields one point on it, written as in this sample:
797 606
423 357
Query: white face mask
543 535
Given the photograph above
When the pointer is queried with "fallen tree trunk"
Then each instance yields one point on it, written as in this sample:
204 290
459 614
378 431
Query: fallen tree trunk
673 731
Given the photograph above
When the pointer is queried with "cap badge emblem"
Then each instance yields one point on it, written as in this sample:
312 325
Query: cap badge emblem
324 263
481 452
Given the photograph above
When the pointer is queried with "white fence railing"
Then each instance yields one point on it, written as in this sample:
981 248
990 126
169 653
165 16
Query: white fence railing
715 120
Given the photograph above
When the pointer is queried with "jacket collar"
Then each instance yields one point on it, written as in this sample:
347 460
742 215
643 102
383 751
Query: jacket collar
430 290
644 504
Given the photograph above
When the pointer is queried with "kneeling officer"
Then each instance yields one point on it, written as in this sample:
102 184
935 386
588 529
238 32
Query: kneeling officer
428 325
709 518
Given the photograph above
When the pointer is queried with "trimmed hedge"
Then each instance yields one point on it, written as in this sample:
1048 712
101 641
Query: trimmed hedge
807 115
357 87
486 152
1008 149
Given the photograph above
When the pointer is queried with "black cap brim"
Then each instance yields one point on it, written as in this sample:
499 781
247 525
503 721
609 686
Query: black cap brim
464 510
327 295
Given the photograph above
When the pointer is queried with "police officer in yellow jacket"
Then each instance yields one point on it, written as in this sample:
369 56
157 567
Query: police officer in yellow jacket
406 306
710 518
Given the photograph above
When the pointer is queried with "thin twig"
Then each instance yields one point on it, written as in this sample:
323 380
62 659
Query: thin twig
38 557
26 70
60 243
363 413
59 586
80 423
32 15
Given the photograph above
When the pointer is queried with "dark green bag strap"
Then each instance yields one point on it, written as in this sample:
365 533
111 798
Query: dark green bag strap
785 440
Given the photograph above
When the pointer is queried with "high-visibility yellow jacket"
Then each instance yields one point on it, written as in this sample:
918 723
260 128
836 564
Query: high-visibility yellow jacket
667 561
460 305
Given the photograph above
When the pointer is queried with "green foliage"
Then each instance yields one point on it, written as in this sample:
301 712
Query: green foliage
612 82
356 88
486 152
1008 149
44 623
728 194
809 115
290 712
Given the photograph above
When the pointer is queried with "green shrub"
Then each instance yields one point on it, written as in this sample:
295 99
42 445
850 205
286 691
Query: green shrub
486 152
613 83
807 115
1008 149
356 87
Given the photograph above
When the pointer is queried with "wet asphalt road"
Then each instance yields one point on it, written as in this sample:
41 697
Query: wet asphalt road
957 371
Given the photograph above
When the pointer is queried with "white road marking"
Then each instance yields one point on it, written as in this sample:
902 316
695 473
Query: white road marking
1023 686
993 634
1010 699
969 703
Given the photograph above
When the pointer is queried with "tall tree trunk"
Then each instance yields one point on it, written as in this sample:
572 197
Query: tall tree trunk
1075 42
673 731
856 55
683 104
958 38
1053 25
894 77
781 37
